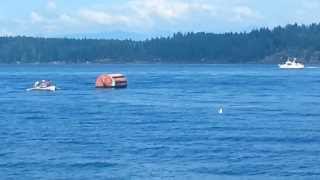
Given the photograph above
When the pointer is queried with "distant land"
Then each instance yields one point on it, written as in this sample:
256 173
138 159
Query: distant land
120 35
262 45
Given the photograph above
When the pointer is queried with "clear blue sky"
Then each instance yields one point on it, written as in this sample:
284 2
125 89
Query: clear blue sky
59 17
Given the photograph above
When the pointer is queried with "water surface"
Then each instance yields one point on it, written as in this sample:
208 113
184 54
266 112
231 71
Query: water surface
165 125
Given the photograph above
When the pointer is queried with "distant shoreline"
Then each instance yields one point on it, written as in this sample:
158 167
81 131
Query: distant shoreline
260 46
57 64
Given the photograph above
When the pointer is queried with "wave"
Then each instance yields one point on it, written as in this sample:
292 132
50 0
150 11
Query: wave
312 67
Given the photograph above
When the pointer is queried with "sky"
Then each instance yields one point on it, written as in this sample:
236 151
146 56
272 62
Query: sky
55 18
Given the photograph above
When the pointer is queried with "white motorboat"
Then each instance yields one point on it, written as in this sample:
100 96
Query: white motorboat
291 64
43 85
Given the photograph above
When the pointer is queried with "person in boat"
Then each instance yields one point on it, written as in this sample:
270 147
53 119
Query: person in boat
49 83
36 84
44 84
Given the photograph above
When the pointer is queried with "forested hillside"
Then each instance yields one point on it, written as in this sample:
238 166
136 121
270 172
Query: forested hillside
258 46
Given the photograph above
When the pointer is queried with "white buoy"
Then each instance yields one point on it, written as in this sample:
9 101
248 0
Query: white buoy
220 110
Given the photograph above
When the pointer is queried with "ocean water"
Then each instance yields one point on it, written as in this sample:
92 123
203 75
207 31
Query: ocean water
165 125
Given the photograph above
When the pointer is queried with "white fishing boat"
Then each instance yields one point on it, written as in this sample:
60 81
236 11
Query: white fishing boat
291 64
43 85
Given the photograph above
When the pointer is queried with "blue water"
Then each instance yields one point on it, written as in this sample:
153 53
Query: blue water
165 125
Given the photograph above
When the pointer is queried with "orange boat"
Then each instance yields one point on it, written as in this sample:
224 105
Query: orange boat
111 81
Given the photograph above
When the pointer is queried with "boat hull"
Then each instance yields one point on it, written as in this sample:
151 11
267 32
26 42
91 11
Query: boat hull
284 66
50 88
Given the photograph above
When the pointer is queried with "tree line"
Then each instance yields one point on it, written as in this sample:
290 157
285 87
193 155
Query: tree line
262 45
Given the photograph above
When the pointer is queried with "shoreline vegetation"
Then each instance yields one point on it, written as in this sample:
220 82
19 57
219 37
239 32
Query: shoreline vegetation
259 46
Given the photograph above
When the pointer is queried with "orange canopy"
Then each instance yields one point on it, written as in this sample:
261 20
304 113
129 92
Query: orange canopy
111 81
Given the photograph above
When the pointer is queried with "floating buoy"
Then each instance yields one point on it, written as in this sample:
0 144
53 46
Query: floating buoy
111 81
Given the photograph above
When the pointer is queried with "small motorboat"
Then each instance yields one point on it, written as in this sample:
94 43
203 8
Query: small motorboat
291 64
43 85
